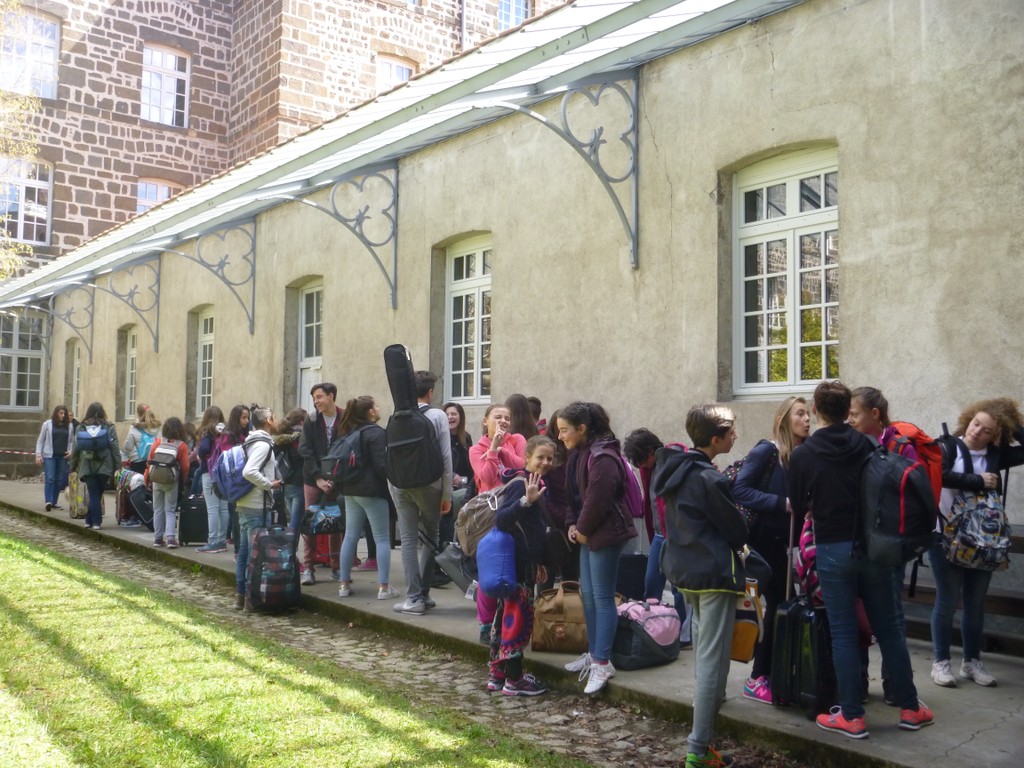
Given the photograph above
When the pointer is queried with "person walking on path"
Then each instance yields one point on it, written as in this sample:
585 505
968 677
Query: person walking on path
703 531
53 449
95 456
824 479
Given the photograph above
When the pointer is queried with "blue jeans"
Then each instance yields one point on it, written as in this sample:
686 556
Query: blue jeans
55 474
248 521
654 580
216 513
295 503
96 484
952 581
843 578
598 573
359 509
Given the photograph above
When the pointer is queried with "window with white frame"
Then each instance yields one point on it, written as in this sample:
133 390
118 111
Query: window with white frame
468 320
21 361
29 53
152 192
392 71
76 377
204 364
26 188
165 78
786 273
131 360
512 13
310 357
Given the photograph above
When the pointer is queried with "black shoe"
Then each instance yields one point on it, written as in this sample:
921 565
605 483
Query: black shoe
49 506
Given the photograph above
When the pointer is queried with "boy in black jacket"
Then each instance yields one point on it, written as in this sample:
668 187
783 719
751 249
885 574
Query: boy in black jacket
703 531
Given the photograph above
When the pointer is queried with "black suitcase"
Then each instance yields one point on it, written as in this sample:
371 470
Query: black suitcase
141 500
632 575
192 521
272 572
401 376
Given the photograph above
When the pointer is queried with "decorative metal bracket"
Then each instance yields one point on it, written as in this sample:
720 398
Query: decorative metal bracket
375 231
230 254
621 186
137 285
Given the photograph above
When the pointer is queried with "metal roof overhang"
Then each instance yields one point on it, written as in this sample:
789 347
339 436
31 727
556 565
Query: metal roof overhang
568 46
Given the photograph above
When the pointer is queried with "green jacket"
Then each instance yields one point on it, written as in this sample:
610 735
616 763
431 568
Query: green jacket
103 462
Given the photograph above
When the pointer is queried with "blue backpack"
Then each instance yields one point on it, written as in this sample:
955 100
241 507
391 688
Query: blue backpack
93 438
228 482
145 443
496 563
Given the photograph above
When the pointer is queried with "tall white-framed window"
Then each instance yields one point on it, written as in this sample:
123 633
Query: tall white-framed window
76 378
152 192
21 361
165 82
26 191
512 13
468 320
29 54
786 273
311 321
131 363
204 363
391 71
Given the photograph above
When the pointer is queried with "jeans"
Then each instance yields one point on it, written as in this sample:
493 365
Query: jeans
216 513
55 474
843 578
248 521
295 503
714 614
359 510
165 511
598 573
419 509
96 484
654 581
952 581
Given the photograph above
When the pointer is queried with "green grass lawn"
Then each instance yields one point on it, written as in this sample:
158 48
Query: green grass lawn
96 671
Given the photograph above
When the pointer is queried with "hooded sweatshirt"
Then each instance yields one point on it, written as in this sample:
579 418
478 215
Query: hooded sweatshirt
824 474
596 477
703 527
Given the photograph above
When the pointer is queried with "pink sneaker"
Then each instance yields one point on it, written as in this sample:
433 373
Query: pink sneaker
758 690
366 565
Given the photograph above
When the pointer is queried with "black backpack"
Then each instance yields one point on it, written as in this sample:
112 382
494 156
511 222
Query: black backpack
898 508
413 455
344 462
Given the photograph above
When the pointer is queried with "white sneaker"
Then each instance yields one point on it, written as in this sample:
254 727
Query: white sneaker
599 675
583 662
308 578
941 674
388 594
975 670
345 590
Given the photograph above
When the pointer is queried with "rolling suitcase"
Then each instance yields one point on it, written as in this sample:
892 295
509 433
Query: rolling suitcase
322 555
802 672
401 376
273 570
192 521
141 500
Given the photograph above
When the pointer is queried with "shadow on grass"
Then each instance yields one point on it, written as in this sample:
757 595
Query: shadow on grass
250 655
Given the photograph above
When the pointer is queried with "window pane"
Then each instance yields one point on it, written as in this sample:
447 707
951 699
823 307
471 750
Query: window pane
776 201
777 328
831 285
753 370
810 288
469 385
778 365
810 251
471 265
832 358
470 305
832 188
754 298
810 324
459 268
810 363
777 292
832 323
752 204
753 260
777 260
832 247
457 307
487 262
308 342
457 359
754 336
810 193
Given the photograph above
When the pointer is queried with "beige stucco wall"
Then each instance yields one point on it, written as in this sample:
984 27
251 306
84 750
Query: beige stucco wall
924 104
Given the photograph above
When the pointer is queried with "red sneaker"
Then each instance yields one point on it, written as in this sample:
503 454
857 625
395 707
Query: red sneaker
916 719
835 721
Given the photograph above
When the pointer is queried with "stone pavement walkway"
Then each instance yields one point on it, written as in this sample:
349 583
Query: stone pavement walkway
974 726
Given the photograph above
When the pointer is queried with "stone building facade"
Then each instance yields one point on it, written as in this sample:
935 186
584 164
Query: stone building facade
144 98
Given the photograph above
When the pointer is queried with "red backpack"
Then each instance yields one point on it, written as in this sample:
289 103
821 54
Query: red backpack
928 451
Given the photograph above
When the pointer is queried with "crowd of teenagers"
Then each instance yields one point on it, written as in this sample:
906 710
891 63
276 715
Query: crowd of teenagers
563 480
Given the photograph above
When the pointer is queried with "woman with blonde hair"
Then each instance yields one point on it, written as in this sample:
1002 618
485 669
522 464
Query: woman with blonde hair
761 489
140 438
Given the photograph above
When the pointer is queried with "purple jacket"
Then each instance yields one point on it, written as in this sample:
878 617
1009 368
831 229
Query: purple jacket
596 484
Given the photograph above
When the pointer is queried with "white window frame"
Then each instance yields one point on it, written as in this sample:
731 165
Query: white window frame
131 363
30 54
310 352
164 92
458 287
76 376
149 193
392 71
512 13
22 368
26 185
784 174
205 350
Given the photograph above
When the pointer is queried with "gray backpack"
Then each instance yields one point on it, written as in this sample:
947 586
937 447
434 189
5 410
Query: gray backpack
163 465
